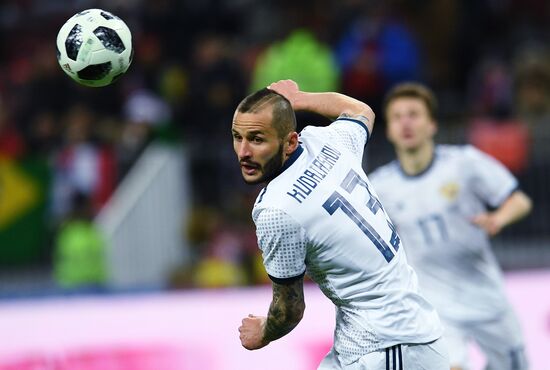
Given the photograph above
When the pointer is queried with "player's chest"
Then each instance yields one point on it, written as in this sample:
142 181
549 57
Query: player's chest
439 193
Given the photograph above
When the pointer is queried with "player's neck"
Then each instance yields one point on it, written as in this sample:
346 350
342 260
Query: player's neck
416 161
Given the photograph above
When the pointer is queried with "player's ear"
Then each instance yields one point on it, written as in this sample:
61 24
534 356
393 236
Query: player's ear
291 142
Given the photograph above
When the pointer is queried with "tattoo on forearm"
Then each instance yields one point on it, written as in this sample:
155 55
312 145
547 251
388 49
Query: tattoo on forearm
355 116
285 311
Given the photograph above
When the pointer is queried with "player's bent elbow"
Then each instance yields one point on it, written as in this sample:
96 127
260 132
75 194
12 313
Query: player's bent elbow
369 112
365 110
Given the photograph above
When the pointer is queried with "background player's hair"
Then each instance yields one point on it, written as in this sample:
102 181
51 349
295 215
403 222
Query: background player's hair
412 90
284 119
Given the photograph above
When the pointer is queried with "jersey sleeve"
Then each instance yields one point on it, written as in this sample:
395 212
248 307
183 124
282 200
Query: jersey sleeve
350 133
491 181
283 244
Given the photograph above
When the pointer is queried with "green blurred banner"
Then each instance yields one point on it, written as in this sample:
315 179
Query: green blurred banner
300 57
24 186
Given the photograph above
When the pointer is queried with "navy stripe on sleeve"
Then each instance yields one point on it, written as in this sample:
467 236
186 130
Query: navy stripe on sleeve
286 281
492 208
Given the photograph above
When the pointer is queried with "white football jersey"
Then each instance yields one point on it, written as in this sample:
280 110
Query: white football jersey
432 211
322 215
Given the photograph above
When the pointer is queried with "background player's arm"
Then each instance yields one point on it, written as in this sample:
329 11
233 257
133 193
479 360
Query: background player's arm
285 312
517 206
329 104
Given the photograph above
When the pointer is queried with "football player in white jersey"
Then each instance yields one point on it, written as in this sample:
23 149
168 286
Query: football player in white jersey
446 201
318 212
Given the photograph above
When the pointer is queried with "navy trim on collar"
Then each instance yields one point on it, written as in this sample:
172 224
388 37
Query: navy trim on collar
261 197
421 173
290 160
360 123
293 157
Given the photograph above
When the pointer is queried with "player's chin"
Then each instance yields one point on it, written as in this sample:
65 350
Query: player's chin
409 145
257 178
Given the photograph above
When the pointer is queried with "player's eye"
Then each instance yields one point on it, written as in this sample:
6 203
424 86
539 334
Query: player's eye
237 137
257 140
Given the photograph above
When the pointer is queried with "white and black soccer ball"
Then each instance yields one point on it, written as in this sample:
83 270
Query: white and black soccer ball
94 47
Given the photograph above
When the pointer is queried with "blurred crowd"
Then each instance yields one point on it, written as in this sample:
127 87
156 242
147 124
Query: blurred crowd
488 62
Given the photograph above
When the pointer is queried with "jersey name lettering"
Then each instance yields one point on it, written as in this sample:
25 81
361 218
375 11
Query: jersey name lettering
315 173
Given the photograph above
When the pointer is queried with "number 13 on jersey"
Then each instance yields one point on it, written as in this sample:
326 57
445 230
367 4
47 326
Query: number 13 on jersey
338 201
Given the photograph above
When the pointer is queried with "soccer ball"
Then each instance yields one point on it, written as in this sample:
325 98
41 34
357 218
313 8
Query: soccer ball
94 47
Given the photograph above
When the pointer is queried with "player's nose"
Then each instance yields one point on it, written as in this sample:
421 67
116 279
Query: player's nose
243 150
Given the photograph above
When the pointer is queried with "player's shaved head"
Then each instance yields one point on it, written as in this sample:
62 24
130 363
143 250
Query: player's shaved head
284 119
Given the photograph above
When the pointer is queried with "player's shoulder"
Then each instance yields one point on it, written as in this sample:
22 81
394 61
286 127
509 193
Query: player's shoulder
318 132
268 213
271 197
387 172
449 151
313 134
314 137
452 155
356 125
464 156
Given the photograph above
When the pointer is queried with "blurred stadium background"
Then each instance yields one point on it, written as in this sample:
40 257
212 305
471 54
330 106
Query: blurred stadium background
125 234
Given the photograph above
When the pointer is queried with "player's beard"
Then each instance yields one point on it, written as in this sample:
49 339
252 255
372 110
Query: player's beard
271 169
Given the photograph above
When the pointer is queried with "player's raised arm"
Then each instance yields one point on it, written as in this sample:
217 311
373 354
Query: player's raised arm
328 104
285 312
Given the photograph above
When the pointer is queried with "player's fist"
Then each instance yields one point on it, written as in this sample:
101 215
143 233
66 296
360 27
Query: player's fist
251 332
289 89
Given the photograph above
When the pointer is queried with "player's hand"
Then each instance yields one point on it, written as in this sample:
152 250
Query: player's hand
289 89
252 331
488 222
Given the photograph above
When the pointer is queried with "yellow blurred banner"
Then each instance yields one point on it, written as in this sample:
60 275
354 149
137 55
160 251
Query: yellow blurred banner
18 192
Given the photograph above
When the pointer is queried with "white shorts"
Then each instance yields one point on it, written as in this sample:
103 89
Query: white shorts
428 356
500 340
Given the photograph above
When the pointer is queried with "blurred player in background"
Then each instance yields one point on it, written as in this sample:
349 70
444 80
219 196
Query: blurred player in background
446 202
319 212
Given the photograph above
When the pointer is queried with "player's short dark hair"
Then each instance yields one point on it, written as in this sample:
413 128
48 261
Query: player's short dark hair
284 119
412 90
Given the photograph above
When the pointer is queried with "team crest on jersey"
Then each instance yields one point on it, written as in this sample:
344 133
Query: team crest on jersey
449 191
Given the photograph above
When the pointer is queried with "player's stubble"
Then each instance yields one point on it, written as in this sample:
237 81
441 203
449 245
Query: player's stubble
271 169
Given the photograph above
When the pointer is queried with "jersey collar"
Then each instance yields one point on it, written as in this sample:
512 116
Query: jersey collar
421 173
292 158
